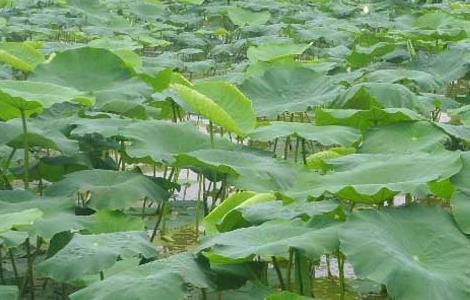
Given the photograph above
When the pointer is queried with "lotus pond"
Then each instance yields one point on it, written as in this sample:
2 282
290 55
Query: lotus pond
217 149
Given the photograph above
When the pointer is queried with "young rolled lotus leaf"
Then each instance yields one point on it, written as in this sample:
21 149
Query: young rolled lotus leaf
21 56
416 251
364 119
247 169
9 292
269 52
222 103
374 178
371 94
21 218
404 137
319 160
168 278
106 189
324 135
156 140
91 254
271 239
289 89
242 17
233 202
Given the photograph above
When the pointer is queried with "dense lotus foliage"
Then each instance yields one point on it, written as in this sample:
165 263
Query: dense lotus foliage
218 149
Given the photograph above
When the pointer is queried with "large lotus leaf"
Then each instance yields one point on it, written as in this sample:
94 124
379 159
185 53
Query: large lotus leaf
21 56
9 292
11 133
162 140
231 203
116 221
449 65
108 189
461 132
404 137
249 170
461 199
364 119
221 103
289 89
362 56
14 219
85 69
384 95
272 239
324 135
422 80
264 211
460 115
417 252
48 226
374 178
107 127
242 17
32 97
275 50
90 254
18 200
164 279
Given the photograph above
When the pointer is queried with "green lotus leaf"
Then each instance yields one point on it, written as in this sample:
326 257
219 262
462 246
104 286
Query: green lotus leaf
247 169
167 278
404 137
461 132
10 292
107 127
272 239
417 252
362 56
108 189
48 226
11 133
21 56
156 140
221 103
18 200
383 95
116 221
287 296
318 160
258 213
233 202
374 178
413 78
275 51
324 135
242 17
364 119
32 97
12 238
14 219
449 65
289 89
85 69
91 254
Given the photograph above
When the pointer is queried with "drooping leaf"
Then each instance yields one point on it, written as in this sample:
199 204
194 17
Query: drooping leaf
108 189
241 17
324 135
21 56
289 89
90 254
417 252
14 219
166 278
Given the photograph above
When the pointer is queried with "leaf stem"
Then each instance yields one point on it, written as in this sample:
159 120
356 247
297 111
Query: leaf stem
26 150
278 272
